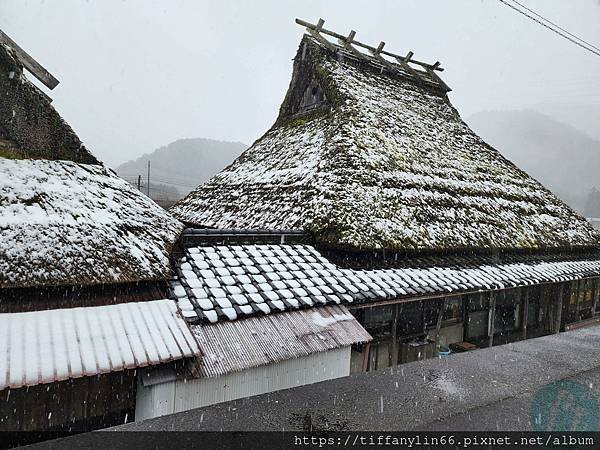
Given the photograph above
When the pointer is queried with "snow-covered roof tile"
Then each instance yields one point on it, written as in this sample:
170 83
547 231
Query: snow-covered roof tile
382 163
351 285
53 345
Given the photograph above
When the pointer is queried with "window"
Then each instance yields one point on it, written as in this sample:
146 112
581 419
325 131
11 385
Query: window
431 311
478 302
313 97
410 320
581 300
453 313
477 316
507 317
378 320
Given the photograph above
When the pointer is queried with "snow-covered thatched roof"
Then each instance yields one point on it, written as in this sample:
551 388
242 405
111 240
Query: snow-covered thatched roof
65 219
366 158
65 223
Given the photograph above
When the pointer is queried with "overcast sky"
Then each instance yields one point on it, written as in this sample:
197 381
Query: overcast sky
138 74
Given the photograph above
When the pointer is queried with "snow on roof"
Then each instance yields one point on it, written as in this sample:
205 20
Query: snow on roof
46 346
234 346
384 163
64 223
228 282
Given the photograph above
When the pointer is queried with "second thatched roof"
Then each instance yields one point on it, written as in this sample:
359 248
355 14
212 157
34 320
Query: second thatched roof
366 158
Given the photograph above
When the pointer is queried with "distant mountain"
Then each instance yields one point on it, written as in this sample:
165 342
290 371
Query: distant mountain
582 116
562 158
182 164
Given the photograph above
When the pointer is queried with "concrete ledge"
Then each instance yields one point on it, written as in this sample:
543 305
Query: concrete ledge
487 389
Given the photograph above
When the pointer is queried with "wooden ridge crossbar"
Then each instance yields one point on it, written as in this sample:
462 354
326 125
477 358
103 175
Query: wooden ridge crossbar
29 63
349 43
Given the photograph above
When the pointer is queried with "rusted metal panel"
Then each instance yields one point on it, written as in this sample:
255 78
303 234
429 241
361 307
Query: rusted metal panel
47 346
256 341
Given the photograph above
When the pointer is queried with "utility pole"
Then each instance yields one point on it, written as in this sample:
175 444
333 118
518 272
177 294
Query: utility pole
148 178
139 182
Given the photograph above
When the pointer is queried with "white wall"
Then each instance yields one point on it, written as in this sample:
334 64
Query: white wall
176 396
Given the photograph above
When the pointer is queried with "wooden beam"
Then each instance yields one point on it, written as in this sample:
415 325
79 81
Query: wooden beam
407 68
596 296
322 40
525 316
312 27
29 63
434 77
379 48
559 308
438 325
350 37
367 350
395 348
319 26
491 318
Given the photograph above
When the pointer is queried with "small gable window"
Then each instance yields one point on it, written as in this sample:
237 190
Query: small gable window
313 97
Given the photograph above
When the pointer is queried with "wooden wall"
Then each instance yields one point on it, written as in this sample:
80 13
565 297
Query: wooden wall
36 299
82 404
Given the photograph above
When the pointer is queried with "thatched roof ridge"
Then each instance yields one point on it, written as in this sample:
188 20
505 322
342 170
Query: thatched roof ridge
382 163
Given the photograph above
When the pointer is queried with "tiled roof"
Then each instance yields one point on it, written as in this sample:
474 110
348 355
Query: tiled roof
52 345
232 281
65 223
384 164
234 346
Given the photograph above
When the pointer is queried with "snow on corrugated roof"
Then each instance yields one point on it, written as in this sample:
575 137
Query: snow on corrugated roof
229 282
385 163
65 223
234 346
46 346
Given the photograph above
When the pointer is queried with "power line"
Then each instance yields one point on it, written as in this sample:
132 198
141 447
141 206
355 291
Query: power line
555 25
590 48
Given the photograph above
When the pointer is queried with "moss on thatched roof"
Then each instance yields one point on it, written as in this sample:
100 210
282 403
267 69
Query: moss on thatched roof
28 118
384 162
63 223
65 219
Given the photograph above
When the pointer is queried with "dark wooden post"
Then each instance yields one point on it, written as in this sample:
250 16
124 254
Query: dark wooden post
438 325
367 350
559 308
491 318
525 316
394 356
596 295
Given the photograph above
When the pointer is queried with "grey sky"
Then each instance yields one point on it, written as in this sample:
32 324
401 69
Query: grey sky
138 74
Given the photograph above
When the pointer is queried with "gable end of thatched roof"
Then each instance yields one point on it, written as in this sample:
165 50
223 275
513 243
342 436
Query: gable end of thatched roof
28 118
383 162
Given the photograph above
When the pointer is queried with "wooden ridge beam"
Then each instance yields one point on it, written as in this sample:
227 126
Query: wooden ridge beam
319 29
36 69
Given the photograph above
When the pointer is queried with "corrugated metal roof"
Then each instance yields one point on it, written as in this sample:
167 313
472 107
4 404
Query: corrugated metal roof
45 346
226 282
234 346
